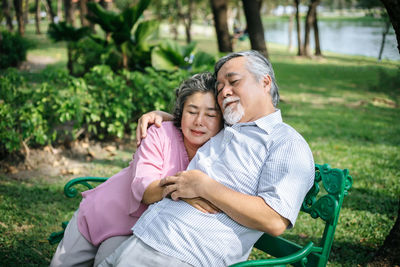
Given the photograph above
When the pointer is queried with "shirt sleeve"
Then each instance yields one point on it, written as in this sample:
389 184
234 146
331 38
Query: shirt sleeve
148 163
286 177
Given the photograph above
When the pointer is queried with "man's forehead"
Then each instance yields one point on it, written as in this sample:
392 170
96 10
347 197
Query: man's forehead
233 67
231 74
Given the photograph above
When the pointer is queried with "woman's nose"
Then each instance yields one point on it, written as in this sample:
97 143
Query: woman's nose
199 120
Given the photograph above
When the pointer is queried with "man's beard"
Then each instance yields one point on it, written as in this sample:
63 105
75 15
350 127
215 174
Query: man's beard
234 112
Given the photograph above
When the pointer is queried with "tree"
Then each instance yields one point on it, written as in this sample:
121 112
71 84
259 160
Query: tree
83 12
391 245
37 16
393 10
69 12
290 30
219 9
7 14
64 32
383 14
186 18
310 23
255 28
300 51
20 16
132 48
384 33
25 11
49 10
316 35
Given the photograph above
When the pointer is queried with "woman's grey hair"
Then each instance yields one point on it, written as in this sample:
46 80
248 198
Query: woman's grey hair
257 65
202 82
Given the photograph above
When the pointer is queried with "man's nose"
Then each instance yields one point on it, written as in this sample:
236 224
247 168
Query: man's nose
227 91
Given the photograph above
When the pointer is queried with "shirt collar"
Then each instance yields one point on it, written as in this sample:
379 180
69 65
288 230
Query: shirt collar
267 123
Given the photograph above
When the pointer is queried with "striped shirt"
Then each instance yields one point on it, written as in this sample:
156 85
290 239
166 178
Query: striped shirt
265 158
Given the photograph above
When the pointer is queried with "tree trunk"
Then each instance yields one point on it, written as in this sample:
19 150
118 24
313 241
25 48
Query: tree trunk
49 10
103 4
83 12
385 32
255 28
20 16
393 10
25 8
290 32
186 18
37 16
316 34
307 29
7 14
59 9
389 253
69 12
308 24
300 51
219 9
188 22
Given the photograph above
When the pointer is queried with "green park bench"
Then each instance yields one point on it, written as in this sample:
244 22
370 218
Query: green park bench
326 206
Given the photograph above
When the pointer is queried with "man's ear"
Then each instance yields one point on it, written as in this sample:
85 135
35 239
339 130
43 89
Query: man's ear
267 82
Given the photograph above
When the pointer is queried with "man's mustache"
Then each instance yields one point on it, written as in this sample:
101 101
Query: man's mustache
229 100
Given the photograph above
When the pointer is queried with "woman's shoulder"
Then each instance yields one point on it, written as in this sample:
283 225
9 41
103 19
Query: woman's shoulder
167 129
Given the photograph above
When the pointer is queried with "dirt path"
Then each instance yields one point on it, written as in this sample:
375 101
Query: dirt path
35 63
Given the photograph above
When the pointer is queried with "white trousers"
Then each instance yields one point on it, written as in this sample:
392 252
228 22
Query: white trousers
75 250
134 252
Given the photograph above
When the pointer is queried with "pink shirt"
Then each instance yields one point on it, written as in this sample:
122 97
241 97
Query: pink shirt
112 208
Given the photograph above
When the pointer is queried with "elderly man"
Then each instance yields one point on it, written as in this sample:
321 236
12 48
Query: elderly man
257 171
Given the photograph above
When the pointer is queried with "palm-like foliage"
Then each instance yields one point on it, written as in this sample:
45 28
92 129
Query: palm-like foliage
134 49
63 32
169 55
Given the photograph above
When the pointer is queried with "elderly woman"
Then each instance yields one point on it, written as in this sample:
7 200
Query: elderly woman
107 213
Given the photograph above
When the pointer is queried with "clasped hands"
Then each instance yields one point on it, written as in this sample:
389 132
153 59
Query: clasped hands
189 187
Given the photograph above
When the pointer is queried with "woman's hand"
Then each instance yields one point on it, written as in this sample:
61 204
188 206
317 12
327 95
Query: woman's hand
202 205
153 117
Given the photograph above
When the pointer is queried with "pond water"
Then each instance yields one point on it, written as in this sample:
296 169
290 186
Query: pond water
344 37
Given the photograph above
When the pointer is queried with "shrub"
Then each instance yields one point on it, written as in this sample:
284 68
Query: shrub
13 49
33 115
102 103
20 119
154 89
85 54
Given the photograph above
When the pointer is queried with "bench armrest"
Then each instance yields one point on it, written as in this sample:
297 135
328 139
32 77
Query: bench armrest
297 256
71 192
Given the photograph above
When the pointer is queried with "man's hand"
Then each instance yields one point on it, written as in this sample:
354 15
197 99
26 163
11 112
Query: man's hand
186 184
248 210
149 118
202 205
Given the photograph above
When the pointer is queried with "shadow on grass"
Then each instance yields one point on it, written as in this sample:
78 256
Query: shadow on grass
29 213
351 254
374 201
342 252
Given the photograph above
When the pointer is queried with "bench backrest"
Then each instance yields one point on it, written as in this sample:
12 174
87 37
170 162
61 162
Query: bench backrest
336 183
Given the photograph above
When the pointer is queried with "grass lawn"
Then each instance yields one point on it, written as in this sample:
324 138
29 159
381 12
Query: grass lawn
346 107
